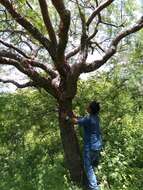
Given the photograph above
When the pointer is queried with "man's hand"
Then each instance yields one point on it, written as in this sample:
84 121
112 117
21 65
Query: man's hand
74 120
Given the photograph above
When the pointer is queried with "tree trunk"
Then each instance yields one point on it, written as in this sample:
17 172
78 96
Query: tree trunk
70 144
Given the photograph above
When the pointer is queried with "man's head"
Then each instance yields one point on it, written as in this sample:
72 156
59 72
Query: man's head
93 108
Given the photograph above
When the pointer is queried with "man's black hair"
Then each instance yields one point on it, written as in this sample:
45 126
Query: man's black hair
94 107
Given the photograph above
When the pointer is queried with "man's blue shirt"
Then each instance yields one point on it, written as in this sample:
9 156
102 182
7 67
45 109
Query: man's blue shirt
92 133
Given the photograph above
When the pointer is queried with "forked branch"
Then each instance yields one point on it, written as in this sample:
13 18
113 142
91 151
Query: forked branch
113 47
88 67
25 68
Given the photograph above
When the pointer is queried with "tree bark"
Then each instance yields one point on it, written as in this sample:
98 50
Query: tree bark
71 148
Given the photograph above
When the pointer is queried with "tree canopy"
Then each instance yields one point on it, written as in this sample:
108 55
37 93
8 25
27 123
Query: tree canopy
50 43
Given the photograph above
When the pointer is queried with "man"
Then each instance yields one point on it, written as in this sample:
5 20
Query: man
92 142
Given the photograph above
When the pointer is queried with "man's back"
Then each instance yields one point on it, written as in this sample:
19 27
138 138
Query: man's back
92 132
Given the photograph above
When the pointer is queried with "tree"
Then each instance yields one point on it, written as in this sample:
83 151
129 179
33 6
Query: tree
29 49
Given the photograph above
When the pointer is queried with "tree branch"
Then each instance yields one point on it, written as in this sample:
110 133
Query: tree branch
93 34
88 67
97 44
10 55
38 80
113 47
113 25
28 84
47 68
47 21
76 50
15 48
73 52
29 5
83 43
16 64
13 31
29 27
98 10
138 26
63 30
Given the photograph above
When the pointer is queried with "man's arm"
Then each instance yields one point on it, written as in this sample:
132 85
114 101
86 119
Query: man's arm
81 121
